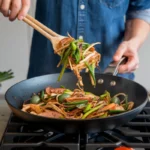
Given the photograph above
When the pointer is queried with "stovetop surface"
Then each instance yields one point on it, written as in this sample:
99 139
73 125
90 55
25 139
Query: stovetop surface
20 135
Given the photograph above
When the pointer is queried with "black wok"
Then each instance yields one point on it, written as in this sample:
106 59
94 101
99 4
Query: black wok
18 93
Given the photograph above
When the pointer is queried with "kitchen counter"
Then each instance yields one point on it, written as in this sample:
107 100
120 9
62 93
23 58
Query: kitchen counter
4 114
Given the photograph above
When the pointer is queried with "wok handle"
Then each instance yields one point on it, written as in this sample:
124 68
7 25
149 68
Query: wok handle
113 67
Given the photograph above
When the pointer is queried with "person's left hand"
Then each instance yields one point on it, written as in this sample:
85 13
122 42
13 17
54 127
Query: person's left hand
128 49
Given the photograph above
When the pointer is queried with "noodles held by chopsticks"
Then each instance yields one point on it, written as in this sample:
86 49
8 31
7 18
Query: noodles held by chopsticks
78 55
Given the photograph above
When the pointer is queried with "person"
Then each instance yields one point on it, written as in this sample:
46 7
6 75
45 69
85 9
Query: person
121 26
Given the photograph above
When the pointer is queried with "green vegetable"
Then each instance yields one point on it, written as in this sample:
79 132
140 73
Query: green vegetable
62 70
35 99
115 100
116 111
42 95
85 46
92 110
87 108
62 86
66 54
6 75
62 97
90 94
68 91
76 102
70 108
77 56
91 71
73 46
104 115
80 106
106 96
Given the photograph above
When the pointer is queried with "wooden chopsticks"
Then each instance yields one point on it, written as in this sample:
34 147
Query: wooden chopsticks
44 30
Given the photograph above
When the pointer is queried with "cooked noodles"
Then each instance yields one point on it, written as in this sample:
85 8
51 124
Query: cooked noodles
77 104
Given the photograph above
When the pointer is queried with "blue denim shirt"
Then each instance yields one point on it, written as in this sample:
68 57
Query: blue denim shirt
92 20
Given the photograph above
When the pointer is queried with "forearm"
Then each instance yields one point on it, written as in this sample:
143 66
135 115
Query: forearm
136 31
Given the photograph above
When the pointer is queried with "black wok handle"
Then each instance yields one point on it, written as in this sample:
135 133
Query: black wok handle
113 67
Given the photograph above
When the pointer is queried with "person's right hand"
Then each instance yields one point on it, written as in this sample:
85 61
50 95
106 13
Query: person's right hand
14 8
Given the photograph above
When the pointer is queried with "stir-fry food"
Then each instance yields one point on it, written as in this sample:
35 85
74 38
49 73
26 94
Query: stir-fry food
78 55
77 104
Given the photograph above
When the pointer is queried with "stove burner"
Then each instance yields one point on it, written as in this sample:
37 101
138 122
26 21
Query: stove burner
20 135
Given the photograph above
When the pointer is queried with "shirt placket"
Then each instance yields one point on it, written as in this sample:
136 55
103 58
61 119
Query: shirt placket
81 19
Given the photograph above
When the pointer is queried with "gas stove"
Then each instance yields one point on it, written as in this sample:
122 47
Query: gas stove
20 135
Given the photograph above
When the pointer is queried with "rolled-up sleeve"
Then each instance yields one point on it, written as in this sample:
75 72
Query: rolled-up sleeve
139 9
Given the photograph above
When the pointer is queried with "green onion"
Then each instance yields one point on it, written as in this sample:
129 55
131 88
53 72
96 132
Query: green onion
77 56
76 102
73 46
87 108
62 70
92 110
116 111
91 71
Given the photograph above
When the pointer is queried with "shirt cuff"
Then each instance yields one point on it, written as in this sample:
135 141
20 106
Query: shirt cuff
140 14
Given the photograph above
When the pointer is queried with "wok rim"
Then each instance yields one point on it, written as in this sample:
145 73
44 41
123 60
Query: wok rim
80 120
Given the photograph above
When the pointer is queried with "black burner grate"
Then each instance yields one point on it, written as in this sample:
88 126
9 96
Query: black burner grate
20 135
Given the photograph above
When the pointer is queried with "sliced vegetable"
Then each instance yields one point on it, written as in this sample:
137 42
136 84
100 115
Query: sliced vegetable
76 102
116 111
92 110
91 71
62 97
87 108
80 106
62 86
35 99
73 46
70 108
77 56
106 96
63 70
104 115
115 100
108 107
68 91
85 46
66 54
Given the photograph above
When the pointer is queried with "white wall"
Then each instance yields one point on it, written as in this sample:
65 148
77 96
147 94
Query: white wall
15 40
143 72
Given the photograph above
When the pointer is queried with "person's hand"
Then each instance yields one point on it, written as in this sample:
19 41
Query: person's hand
128 49
14 8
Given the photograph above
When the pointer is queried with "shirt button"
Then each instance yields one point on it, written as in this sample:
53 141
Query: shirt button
81 37
82 6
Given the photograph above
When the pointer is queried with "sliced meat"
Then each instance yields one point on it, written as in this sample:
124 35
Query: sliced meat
50 114
50 90
71 99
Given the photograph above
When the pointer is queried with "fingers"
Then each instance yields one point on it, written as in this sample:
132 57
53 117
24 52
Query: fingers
120 51
4 7
129 50
131 65
24 9
15 8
